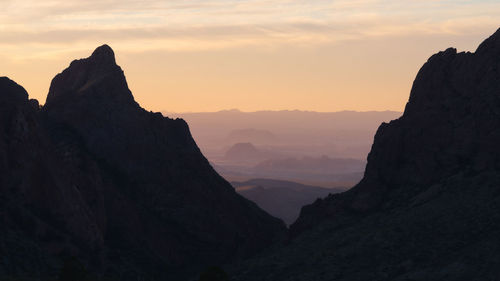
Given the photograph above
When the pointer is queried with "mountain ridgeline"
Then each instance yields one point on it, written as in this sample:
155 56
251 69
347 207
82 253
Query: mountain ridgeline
428 206
94 177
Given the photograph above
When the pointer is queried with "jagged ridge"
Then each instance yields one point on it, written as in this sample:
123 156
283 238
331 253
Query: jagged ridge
126 191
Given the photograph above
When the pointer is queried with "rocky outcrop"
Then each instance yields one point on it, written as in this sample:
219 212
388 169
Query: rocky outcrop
450 125
43 210
429 203
94 176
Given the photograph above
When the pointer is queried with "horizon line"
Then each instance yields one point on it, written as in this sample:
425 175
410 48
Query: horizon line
235 110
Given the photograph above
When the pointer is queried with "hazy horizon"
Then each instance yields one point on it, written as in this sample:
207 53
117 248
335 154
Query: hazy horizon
277 110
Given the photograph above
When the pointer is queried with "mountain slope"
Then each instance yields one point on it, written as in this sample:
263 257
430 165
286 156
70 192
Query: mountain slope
282 199
129 189
428 207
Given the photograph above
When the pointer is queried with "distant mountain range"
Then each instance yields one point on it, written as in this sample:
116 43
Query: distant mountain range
246 145
345 134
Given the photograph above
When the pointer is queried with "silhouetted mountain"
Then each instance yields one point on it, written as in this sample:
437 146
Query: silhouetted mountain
282 199
428 207
92 175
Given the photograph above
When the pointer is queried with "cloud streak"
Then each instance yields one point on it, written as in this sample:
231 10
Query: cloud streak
178 25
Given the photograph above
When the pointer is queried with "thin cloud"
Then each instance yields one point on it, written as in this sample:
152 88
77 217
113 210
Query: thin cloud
179 26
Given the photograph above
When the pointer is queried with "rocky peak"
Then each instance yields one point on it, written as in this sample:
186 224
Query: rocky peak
97 77
158 184
103 55
428 205
490 44
124 190
449 121
450 126
10 91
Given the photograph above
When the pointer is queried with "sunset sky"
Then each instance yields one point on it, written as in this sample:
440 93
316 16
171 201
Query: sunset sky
252 55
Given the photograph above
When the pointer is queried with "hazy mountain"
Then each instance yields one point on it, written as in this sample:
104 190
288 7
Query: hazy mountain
251 135
244 152
282 199
279 136
428 207
93 176
323 171
345 134
312 167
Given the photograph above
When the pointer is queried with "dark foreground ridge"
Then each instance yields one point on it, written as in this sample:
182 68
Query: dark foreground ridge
428 207
93 179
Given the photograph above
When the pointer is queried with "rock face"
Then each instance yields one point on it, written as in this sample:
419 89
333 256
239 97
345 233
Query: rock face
428 207
94 176
450 125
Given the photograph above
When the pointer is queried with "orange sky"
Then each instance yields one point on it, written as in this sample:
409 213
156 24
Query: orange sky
252 55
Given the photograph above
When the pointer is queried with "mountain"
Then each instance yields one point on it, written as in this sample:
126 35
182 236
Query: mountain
428 207
244 151
282 199
246 155
93 177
